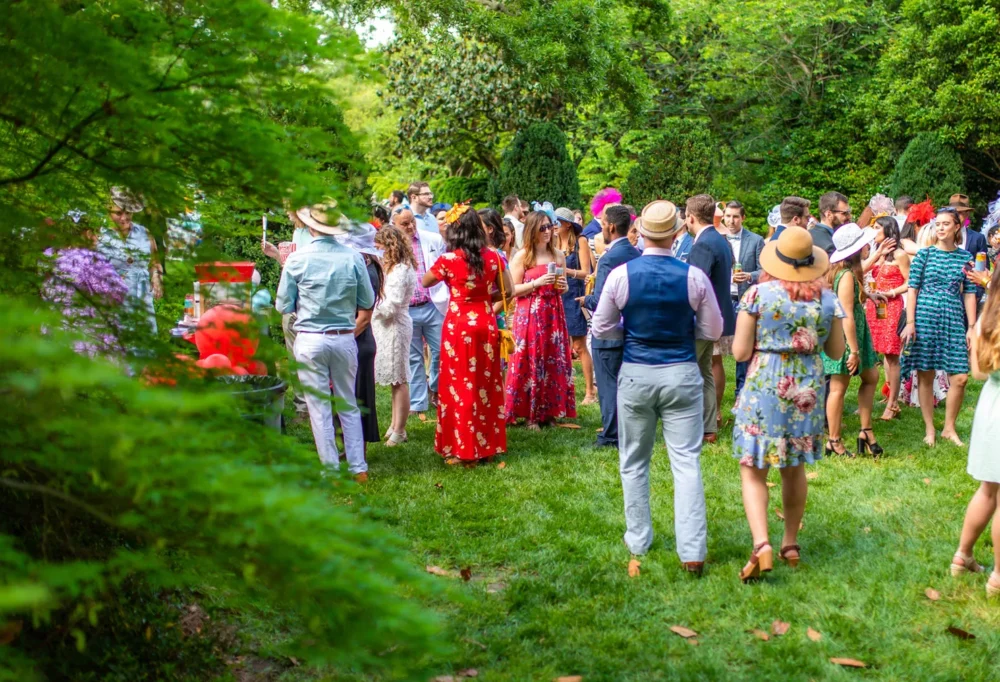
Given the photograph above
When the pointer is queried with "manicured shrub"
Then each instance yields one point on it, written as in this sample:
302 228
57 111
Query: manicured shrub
927 168
537 167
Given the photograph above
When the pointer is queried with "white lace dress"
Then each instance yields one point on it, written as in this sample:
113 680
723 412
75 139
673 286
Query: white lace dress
393 327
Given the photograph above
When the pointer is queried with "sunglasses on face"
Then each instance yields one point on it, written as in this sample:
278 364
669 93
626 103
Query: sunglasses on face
546 228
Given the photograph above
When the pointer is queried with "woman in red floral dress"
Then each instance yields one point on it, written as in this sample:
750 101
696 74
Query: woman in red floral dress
540 375
471 423
891 273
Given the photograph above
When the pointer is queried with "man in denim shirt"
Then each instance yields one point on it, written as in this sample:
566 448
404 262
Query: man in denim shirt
326 285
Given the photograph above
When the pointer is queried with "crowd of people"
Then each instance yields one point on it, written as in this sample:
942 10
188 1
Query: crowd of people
479 315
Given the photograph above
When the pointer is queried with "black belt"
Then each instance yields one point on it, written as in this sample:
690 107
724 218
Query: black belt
419 305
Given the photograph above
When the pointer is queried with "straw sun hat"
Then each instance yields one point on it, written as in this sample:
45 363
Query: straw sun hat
320 217
850 239
659 220
793 258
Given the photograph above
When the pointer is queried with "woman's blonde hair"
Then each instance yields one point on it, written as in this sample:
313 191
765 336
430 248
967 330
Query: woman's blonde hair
396 248
927 237
532 224
989 328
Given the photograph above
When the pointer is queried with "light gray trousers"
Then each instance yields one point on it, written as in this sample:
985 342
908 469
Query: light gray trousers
672 393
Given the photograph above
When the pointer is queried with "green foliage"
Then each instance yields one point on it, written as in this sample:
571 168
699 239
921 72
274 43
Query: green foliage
454 189
537 167
677 165
927 168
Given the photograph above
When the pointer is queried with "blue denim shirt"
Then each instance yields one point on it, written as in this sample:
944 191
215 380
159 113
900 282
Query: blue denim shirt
324 283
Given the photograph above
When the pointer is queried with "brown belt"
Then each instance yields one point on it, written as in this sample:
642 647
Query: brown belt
332 332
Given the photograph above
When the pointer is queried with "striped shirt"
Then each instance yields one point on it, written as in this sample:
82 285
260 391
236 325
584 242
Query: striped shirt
421 294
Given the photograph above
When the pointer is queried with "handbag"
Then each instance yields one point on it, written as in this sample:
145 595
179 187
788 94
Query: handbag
506 336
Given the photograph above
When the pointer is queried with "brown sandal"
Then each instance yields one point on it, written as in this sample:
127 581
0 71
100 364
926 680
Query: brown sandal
792 561
761 561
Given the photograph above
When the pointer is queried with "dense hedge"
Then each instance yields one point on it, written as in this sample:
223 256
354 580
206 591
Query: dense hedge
677 165
928 168
536 166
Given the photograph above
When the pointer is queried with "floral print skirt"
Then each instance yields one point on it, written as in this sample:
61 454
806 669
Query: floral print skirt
780 411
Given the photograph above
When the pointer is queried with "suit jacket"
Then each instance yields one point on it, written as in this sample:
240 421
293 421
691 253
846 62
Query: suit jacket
683 247
751 244
592 229
822 237
619 253
712 255
432 247
975 243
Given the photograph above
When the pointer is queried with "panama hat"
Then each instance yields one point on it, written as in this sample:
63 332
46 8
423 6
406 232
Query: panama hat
659 220
849 239
793 258
126 200
319 218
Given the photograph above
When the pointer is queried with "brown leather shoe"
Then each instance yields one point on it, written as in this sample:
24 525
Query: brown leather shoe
695 567
711 437
361 478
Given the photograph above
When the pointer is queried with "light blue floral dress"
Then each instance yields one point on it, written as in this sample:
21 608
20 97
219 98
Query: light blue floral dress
130 258
779 414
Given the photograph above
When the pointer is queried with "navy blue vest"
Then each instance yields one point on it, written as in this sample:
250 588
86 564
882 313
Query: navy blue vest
659 320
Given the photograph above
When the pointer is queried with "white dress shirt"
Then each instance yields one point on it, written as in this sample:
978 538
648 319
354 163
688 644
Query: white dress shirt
735 241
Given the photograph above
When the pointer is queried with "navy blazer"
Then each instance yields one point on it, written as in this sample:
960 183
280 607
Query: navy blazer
975 243
683 249
712 255
619 253
592 229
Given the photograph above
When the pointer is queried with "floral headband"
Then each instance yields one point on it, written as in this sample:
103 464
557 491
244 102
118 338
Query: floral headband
456 211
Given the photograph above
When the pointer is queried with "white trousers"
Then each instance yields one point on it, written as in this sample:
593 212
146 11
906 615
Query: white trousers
332 360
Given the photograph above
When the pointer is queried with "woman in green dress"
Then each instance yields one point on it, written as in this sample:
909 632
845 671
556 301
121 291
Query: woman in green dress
846 275
940 314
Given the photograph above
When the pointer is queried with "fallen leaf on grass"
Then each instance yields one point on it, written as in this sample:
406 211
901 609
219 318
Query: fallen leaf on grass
439 486
760 634
471 672
813 635
686 633
567 425
868 529
569 678
599 429
927 481
960 633
779 513
294 661
779 628
848 662
444 678
501 465
475 643
812 475
771 484
692 642
493 588
437 570
633 568
466 574
932 594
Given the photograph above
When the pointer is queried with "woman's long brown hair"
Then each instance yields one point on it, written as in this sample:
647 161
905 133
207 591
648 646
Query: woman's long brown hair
989 328
532 224
396 248
854 265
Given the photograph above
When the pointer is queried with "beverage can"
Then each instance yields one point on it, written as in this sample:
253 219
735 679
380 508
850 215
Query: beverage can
285 249
981 262
551 268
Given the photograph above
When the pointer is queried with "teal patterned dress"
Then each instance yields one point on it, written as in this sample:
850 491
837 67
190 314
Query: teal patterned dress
780 411
940 316
865 347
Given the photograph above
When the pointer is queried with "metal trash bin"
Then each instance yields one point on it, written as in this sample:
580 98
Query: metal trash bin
263 397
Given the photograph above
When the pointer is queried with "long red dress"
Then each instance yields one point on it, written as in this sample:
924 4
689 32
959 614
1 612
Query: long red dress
470 389
884 337
540 375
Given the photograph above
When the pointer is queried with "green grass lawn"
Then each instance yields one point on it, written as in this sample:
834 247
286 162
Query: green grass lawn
550 593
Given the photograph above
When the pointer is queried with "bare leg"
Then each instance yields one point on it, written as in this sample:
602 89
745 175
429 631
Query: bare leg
866 396
891 378
580 346
925 390
982 507
996 539
719 373
956 394
794 489
755 498
400 407
835 406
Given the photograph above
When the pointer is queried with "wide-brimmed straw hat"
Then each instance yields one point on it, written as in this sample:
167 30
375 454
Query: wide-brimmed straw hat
126 200
960 203
566 216
659 220
320 218
849 239
793 258
361 238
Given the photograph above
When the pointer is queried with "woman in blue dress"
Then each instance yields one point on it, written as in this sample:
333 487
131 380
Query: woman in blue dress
784 322
579 264
940 316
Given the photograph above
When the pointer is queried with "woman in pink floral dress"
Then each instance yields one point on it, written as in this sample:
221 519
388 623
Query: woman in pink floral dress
540 374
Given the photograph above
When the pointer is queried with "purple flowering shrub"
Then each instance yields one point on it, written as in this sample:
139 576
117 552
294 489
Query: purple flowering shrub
91 293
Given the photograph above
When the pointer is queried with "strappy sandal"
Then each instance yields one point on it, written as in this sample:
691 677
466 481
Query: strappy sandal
792 561
761 561
831 449
871 446
993 586
396 439
962 564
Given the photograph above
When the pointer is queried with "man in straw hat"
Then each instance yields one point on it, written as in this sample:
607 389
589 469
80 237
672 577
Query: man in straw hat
661 306
326 285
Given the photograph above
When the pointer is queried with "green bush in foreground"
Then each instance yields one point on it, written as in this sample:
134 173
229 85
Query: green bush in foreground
115 496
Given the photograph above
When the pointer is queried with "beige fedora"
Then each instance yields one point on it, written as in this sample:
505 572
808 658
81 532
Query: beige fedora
793 258
659 220
320 218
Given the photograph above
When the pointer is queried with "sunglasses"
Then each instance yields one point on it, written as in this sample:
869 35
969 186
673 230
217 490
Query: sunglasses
546 228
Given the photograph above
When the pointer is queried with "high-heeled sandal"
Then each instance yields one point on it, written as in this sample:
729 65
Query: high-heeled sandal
761 561
832 451
892 410
792 561
870 446
962 564
993 586
396 439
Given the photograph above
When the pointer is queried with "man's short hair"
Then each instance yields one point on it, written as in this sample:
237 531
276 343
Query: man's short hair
793 207
903 203
737 206
702 207
510 203
830 201
619 218
416 188
397 196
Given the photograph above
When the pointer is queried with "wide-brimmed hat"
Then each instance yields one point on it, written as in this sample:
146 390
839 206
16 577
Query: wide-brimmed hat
849 239
320 218
960 203
361 238
659 220
793 258
126 200
566 216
